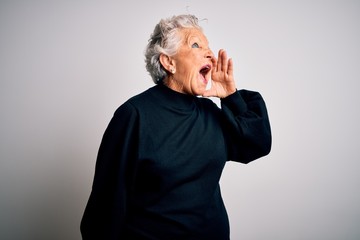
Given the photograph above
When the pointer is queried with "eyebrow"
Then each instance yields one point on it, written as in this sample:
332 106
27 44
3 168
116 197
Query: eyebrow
189 35
197 40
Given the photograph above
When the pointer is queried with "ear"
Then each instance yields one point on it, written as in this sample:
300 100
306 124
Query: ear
167 62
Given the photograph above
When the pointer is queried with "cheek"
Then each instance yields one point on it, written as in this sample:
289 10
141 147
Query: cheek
188 65
188 68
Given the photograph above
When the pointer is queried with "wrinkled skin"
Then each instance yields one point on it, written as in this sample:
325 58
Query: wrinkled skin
195 65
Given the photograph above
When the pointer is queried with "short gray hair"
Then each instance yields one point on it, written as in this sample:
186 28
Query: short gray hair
166 40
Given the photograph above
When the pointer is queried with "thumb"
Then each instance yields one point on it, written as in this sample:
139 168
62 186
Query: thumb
209 93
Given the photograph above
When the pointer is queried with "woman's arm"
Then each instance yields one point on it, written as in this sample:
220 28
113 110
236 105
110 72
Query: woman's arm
104 216
246 125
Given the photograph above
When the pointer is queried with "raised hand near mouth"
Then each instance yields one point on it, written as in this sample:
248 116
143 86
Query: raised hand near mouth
222 78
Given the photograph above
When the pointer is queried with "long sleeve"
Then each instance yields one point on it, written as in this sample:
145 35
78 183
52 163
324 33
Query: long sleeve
247 126
104 215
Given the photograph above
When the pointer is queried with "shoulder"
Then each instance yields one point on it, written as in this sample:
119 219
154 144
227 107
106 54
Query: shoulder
143 98
136 102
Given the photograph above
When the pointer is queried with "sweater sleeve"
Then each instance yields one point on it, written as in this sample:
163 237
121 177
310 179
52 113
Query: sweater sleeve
104 216
246 125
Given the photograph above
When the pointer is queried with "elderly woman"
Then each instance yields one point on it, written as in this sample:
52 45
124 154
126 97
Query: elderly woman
162 154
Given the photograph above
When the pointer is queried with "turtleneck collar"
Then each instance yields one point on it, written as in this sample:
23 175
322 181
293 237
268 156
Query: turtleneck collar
173 98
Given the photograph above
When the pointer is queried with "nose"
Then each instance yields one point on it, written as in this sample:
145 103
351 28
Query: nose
208 53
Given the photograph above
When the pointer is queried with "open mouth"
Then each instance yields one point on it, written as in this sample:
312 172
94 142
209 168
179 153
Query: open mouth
204 71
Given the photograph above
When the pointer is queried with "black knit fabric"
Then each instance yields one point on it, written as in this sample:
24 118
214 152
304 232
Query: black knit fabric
159 164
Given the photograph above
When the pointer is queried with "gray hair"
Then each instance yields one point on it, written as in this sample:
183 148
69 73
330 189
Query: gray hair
166 40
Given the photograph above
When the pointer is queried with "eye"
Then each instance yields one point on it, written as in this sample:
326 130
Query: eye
195 45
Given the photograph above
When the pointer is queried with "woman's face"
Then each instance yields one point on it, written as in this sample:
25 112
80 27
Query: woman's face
192 63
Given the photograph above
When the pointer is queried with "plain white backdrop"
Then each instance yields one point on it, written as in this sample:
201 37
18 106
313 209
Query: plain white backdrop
65 66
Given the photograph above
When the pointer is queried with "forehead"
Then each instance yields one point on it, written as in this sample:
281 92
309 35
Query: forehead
193 34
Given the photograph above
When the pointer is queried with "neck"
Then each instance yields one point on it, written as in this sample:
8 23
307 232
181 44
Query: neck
171 83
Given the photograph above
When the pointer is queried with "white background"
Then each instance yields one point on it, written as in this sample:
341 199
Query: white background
65 66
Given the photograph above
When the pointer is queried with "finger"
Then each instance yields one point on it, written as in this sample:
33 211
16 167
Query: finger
214 64
219 62
224 64
230 70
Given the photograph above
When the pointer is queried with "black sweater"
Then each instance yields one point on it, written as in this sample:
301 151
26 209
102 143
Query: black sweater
159 164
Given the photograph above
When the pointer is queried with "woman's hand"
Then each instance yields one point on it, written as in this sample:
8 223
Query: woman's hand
222 84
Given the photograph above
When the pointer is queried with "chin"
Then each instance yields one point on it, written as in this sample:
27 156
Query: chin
200 91
201 87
